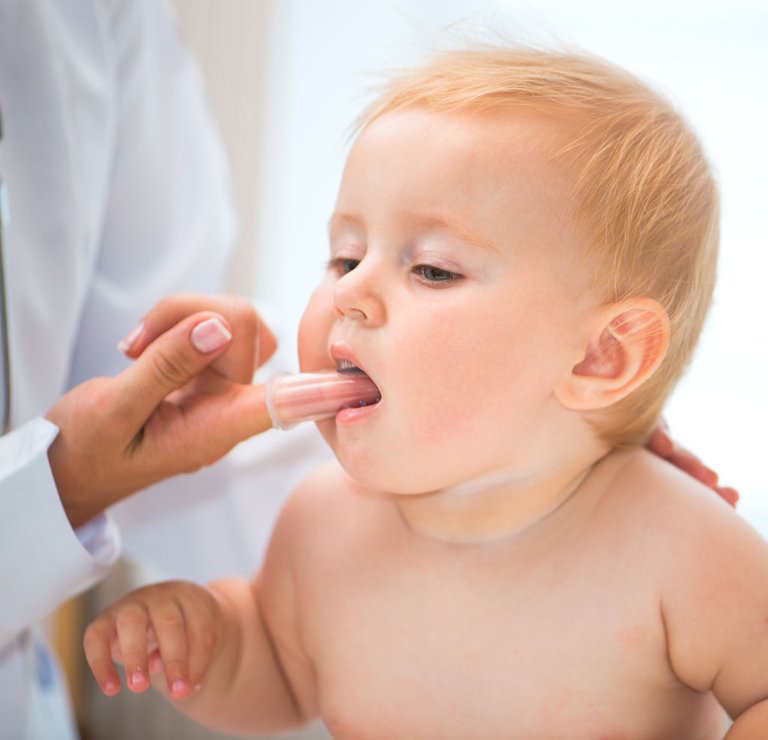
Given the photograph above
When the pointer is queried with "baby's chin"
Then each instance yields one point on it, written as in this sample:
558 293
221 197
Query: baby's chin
386 476
397 472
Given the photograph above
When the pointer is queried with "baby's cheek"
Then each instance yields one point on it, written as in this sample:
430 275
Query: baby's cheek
445 398
468 390
314 330
456 418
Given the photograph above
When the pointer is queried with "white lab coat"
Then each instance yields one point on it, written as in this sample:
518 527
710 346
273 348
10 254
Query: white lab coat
117 188
118 192
118 195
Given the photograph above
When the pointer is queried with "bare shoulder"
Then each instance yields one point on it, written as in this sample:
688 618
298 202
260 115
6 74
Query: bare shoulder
699 541
326 493
647 491
328 506
713 580
311 524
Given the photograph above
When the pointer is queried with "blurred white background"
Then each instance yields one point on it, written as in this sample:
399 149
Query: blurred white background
287 78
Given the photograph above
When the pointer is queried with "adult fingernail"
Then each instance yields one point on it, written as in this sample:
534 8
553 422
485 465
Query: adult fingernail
128 340
210 335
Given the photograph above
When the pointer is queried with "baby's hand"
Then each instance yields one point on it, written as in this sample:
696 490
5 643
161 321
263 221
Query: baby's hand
168 628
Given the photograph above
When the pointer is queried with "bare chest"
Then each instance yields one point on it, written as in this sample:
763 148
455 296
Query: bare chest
439 649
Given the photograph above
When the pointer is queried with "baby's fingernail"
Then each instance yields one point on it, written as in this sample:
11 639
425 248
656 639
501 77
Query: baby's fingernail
110 687
179 687
137 679
210 335
128 340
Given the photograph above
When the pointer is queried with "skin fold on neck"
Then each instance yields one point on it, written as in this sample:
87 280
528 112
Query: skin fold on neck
494 507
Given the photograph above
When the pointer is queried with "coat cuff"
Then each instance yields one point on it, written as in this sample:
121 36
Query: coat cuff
43 561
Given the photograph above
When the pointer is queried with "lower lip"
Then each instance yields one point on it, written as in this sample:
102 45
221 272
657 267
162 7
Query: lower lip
354 415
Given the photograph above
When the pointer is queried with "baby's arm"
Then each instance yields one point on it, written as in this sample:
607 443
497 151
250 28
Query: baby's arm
715 609
212 650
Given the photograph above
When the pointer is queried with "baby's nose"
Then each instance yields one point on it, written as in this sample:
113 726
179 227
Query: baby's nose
359 297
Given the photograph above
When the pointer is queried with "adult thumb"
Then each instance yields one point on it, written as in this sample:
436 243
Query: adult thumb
170 362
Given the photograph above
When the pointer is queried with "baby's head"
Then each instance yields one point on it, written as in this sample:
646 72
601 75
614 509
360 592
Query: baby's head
642 193
523 245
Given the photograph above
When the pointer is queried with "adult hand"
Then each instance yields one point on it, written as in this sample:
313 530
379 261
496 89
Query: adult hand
252 344
184 403
664 446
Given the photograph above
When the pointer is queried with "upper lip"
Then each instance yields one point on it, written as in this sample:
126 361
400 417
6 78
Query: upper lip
340 353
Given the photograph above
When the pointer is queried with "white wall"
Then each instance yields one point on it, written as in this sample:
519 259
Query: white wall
229 39
709 56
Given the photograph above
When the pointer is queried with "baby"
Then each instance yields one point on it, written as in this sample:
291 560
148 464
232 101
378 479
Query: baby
523 253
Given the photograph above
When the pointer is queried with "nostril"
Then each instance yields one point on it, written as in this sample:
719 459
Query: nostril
354 314
350 312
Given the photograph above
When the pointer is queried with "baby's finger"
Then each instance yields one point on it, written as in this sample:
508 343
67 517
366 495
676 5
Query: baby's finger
96 643
155 662
171 635
132 624
202 633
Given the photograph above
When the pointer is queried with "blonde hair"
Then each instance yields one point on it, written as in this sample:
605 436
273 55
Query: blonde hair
643 188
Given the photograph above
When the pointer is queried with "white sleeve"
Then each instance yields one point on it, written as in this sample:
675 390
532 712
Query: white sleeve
42 560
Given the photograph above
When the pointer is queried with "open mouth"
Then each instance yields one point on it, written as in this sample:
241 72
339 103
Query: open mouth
366 391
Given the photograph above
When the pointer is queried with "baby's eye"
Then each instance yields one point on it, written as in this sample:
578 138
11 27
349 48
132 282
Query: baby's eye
432 274
342 265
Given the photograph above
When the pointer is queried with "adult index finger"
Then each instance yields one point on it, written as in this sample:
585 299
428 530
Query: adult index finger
245 415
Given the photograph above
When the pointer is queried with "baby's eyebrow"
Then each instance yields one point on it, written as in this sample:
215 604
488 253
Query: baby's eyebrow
423 222
338 220
451 224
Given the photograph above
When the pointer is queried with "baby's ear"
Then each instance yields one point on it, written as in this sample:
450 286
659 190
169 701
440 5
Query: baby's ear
626 342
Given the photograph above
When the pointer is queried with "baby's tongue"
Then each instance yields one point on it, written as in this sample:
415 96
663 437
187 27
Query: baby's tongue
311 396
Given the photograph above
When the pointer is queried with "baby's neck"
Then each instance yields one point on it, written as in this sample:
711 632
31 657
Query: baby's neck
496 506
